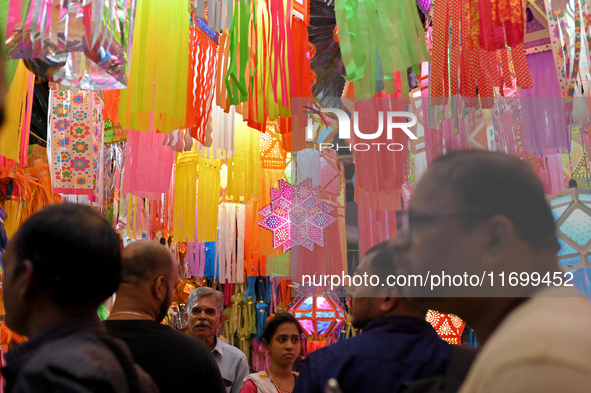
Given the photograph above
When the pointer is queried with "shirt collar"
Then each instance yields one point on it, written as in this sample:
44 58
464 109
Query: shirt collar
218 346
400 324
18 357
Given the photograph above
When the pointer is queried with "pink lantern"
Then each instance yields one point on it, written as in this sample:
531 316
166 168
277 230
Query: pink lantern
321 315
297 215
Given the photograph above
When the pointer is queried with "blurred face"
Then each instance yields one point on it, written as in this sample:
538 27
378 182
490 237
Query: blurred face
363 298
204 318
16 310
436 244
285 345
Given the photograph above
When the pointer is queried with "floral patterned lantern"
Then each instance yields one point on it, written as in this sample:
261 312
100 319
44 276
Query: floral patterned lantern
449 326
76 142
297 215
321 315
572 212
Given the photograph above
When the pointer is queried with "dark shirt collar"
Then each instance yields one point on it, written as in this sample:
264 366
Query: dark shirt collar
18 357
400 324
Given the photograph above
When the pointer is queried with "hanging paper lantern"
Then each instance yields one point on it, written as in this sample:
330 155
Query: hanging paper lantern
296 215
185 287
449 327
321 315
572 212
83 44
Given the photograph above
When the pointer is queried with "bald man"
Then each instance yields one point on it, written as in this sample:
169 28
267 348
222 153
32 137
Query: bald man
177 362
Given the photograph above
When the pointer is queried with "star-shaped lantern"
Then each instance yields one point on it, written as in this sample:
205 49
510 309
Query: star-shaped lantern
296 215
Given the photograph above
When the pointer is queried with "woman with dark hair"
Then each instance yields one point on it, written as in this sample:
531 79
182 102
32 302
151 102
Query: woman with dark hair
282 338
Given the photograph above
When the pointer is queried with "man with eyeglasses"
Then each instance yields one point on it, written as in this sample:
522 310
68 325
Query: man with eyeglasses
485 214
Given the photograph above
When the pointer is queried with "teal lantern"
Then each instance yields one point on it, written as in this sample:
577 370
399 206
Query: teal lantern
572 213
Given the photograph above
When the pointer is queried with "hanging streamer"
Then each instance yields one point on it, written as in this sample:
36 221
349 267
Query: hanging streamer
157 86
245 168
478 54
203 65
148 165
391 35
78 43
208 199
185 198
14 133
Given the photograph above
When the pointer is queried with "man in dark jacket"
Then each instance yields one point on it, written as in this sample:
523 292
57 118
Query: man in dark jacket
60 265
397 343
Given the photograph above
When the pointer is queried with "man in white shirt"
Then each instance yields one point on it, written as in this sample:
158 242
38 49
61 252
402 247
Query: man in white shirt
205 313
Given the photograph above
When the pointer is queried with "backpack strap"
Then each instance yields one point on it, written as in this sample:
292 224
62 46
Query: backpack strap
460 360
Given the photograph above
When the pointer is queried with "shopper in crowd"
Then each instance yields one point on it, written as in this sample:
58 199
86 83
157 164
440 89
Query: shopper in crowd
205 313
282 339
60 265
397 343
483 212
177 362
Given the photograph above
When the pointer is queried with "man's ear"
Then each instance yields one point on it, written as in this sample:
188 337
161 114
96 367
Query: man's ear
160 289
498 238
389 300
24 281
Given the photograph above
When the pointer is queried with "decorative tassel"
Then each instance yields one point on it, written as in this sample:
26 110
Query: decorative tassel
250 287
250 316
260 358
262 311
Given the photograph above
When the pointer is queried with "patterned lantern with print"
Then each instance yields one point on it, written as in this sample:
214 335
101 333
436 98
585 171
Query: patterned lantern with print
449 326
572 212
322 316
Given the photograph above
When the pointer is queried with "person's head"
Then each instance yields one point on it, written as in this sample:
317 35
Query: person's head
375 301
149 274
282 339
205 312
475 212
65 257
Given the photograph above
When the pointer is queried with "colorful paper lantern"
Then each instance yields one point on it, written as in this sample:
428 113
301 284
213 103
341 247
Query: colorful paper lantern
296 215
321 315
572 212
449 326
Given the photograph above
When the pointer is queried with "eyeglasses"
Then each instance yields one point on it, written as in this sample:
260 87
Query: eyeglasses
410 220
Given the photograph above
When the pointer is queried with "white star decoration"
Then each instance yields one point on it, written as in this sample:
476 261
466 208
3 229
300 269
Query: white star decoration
296 215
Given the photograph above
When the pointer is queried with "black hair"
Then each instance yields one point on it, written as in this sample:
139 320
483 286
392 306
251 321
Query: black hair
76 254
276 321
489 183
384 260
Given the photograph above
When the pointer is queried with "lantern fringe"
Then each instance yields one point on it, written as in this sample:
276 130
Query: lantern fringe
14 133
